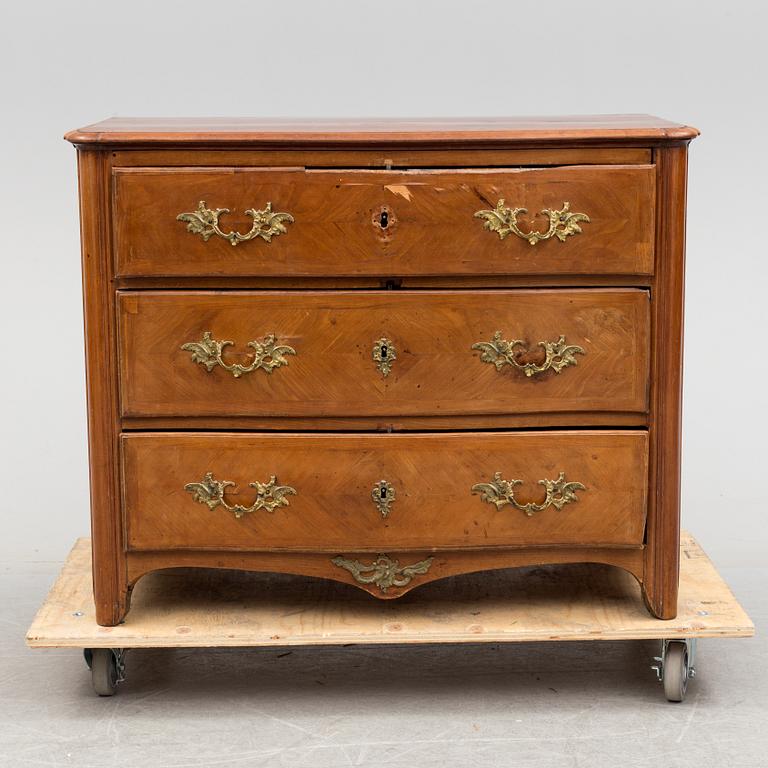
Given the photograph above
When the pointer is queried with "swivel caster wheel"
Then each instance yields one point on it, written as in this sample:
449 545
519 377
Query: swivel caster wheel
107 669
676 671
675 667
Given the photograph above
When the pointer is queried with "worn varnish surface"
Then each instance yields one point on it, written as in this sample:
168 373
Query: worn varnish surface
457 130
333 374
204 608
431 228
433 475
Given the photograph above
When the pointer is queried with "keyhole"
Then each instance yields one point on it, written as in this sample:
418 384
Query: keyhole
383 493
383 351
384 219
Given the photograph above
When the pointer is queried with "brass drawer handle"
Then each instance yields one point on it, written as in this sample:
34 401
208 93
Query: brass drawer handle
557 354
383 571
384 354
267 355
211 492
502 492
503 221
383 495
266 223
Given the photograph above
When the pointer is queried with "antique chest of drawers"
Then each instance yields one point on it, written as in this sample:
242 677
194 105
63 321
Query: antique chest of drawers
383 352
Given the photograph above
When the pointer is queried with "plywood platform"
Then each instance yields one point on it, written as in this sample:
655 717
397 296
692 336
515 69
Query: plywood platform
208 608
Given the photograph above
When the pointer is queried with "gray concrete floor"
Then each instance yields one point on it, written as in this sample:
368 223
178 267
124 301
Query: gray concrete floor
537 705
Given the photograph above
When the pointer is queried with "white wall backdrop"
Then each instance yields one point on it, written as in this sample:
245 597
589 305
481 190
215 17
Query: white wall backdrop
68 64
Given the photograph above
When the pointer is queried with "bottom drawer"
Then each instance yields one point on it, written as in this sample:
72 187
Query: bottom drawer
378 492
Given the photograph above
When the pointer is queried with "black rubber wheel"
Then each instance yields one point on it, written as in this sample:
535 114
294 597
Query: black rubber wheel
103 671
676 670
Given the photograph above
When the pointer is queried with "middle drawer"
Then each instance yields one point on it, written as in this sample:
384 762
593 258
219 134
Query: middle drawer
382 353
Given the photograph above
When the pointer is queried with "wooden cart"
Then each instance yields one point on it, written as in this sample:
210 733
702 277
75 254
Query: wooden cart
208 608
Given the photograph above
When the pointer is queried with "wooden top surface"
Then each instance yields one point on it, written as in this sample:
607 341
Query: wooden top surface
208 608
145 131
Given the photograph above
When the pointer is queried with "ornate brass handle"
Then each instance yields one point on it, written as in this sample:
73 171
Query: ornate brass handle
503 221
267 355
211 492
499 352
266 223
383 571
501 492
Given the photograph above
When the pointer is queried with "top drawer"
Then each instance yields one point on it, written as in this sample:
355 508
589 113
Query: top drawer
380 223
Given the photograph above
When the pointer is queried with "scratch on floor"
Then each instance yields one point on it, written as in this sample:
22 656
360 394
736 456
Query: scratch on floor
687 723
312 734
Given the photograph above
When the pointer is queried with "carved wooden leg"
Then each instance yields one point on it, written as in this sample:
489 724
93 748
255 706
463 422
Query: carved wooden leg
660 597
110 590
111 609
660 573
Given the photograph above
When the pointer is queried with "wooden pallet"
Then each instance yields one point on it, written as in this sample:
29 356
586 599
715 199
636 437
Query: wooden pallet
208 608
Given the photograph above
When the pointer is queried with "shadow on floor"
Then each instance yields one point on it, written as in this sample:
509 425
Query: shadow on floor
395 670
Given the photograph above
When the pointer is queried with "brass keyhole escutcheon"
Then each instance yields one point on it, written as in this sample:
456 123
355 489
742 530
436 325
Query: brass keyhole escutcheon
383 495
384 222
384 354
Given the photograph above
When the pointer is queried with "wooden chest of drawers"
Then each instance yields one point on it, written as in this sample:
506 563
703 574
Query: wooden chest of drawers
383 352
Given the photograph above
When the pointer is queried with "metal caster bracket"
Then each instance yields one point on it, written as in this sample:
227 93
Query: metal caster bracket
119 654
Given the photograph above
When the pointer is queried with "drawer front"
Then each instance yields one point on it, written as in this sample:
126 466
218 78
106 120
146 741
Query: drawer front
379 223
384 492
383 353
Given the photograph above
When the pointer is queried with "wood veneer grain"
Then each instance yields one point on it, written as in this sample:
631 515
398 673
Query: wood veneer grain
333 374
454 132
431 227
432 474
